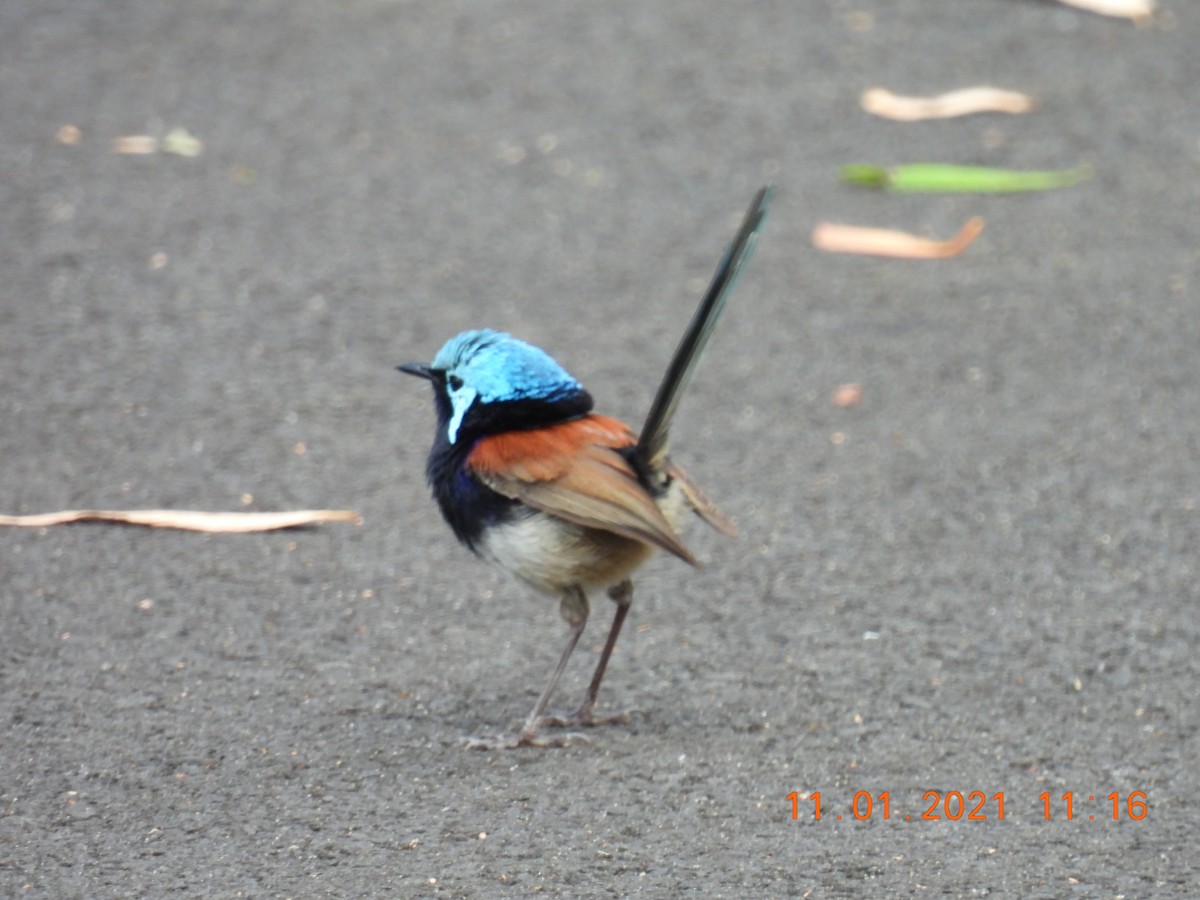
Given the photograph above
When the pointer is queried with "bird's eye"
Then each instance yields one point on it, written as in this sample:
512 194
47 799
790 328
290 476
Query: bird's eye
454 382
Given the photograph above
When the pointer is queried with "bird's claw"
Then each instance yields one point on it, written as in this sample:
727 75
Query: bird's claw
525 739
588 719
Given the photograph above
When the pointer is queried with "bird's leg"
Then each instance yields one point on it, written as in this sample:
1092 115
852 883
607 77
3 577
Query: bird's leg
622 595
575 610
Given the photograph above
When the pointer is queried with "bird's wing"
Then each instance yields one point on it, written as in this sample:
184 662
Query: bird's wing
573 470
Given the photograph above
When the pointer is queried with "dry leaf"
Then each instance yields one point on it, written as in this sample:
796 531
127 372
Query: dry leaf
897 244
883 102
189 520
136 144
846 395
1126 9
181 143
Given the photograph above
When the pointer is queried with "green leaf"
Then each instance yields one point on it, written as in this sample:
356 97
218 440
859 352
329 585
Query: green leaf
945 178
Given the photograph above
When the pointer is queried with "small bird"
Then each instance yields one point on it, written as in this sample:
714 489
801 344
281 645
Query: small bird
569 501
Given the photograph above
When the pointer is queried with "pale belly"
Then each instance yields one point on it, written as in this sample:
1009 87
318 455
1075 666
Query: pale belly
553 555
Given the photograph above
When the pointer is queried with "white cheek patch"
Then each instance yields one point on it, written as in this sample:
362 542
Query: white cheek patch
460 401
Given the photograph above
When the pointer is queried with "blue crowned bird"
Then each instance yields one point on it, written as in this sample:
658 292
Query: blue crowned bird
568 501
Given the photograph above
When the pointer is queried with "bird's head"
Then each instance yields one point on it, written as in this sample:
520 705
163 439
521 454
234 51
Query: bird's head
488 381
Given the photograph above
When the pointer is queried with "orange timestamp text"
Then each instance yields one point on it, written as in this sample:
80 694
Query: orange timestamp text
971 806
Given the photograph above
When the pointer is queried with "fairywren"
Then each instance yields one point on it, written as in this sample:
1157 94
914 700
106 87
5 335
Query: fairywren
568 501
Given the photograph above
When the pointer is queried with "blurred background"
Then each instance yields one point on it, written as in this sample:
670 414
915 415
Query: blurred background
224 224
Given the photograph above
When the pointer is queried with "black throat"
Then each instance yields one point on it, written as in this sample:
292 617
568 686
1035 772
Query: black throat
467 504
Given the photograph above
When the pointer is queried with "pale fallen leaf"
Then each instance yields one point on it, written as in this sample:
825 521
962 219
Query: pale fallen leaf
181 143
897 244
847 395
964 102
189 520
136 144
1126 9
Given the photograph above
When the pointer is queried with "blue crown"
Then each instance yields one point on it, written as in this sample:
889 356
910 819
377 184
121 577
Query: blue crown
499 368
493 367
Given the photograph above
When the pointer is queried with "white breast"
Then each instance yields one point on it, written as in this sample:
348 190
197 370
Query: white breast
552 554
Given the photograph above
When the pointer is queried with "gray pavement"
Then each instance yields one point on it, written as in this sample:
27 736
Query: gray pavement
983 578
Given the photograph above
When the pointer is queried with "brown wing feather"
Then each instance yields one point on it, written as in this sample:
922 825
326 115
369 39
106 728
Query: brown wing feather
704 507
573 470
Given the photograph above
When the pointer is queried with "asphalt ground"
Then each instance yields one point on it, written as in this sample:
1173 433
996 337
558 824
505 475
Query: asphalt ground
980 578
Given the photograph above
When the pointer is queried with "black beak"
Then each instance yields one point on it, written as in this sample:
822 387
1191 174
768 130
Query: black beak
419 369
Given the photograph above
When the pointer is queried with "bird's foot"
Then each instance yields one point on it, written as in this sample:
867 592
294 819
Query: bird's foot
584 717
526 738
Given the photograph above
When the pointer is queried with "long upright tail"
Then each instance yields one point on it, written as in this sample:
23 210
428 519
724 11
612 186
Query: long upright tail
652 444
